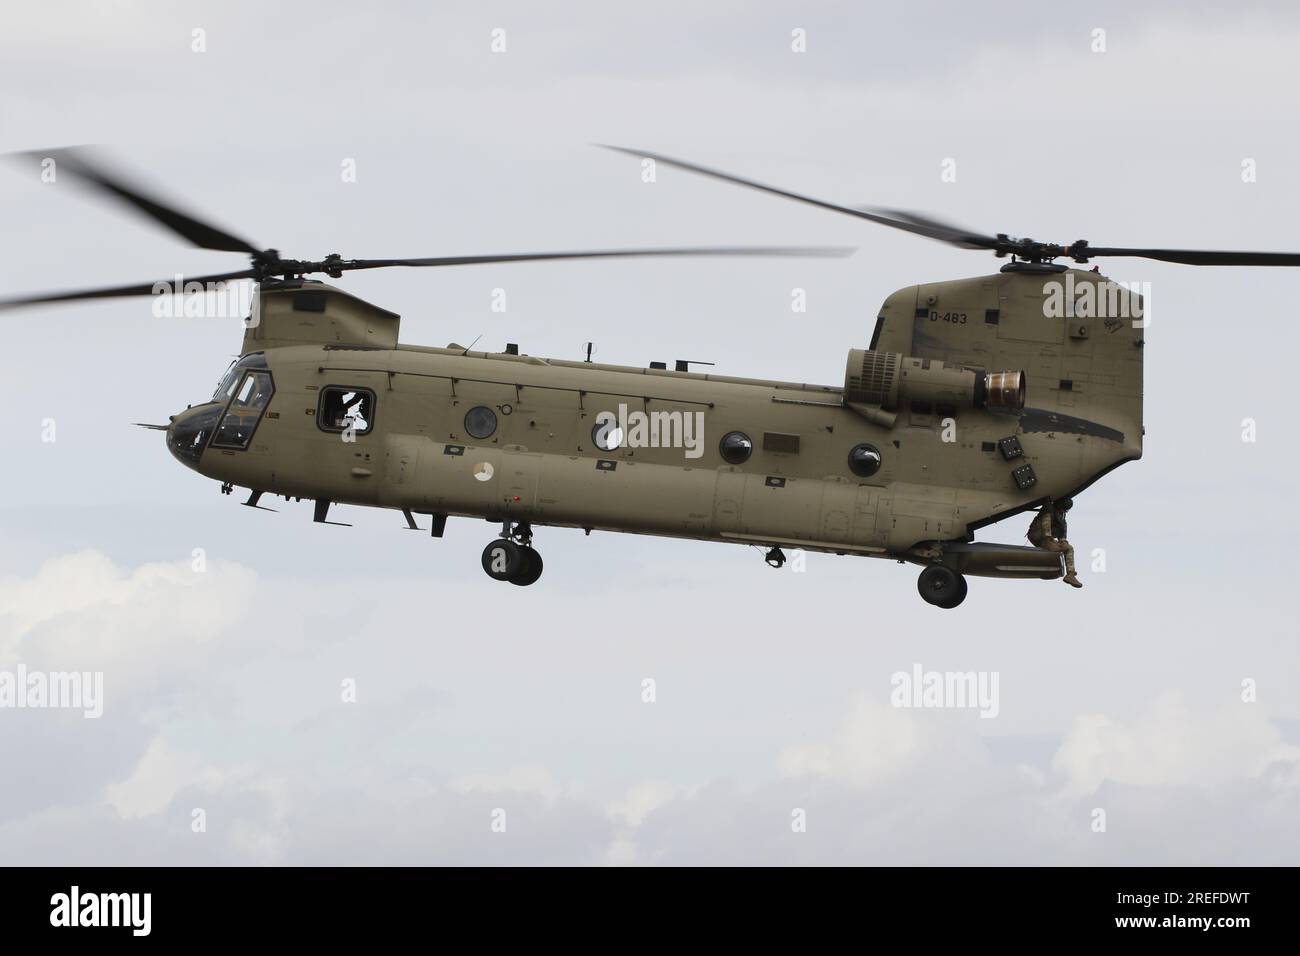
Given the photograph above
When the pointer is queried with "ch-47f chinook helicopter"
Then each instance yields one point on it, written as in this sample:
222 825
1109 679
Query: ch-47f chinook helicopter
974 401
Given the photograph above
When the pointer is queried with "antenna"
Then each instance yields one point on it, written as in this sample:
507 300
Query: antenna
591 347
684 365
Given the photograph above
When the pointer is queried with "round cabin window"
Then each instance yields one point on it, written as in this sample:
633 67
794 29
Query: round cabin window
864 460
607 435
735 448
480 422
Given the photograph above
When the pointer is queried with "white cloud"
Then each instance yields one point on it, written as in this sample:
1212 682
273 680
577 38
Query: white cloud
537 781
85 613
1172 744
287 774
875 744
642 799
160 775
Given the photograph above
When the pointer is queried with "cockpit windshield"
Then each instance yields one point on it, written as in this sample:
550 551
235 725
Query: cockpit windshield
233 376
226 387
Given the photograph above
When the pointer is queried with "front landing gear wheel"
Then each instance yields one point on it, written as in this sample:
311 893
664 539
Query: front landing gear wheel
941 586
530 568
502 559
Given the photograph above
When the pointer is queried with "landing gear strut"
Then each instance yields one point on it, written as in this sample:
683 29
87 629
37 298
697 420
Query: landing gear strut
511 557
941 586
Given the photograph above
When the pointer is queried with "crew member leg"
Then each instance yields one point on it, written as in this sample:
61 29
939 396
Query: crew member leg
1070 577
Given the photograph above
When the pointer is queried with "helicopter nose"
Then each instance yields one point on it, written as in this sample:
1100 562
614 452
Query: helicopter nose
188 433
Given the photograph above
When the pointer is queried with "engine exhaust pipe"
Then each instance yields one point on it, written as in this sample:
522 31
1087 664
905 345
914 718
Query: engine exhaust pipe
1004 390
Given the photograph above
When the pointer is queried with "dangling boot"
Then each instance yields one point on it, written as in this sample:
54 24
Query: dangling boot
1070 578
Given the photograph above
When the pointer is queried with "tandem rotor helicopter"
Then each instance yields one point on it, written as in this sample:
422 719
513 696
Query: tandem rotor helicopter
972 402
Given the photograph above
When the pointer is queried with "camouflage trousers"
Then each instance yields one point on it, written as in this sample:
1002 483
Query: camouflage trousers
1059 545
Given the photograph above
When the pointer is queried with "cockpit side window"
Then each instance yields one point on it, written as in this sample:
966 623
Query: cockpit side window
343 408
251 396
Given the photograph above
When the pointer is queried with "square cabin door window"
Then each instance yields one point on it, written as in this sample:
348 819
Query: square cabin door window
342 408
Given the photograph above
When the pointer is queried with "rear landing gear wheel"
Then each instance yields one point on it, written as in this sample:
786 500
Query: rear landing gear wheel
502 559
941 586
530 568
961 594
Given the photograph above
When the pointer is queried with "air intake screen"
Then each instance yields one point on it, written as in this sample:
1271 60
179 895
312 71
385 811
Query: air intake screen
872 378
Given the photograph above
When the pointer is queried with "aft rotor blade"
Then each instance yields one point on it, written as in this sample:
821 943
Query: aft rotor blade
1002 245
78 163
907 222
122 291
815 252
1202 257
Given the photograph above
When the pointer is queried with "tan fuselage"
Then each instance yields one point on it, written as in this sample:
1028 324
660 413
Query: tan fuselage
941 472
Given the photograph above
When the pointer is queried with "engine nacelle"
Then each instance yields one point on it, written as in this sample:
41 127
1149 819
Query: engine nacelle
888 379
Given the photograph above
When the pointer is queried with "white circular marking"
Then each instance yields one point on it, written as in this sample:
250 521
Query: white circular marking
612 439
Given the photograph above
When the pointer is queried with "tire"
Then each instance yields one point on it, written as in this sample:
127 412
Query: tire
530 568
961 595
502 559
941 586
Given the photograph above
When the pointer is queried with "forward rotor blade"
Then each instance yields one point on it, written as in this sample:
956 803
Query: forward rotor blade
814 252
907 222
937 229
118 292
1202 257
204 235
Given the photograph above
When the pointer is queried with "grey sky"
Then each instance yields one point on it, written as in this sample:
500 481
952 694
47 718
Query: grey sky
223 688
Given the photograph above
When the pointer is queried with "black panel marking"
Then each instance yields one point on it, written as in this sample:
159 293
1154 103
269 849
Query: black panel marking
309 302
875 335
1041 420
